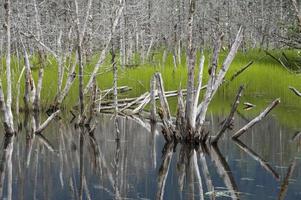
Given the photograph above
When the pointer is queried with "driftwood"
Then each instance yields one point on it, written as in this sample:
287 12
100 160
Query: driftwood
256 119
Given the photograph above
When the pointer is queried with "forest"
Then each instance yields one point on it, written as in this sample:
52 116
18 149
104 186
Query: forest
150 99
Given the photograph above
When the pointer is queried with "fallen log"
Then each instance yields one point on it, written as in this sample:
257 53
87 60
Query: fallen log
256 119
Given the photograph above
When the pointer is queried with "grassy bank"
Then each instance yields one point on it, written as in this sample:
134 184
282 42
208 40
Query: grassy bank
265 80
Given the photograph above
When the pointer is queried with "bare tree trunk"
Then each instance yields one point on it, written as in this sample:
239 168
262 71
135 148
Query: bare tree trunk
115 79
28 81
7 7
214 84
153 99
36 103
104 51
190 65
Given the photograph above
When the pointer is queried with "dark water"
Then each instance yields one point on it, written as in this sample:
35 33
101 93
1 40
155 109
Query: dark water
69 163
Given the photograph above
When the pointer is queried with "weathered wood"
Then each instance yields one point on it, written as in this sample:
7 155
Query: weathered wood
104 51
234 76
256 119
213 85
198 90
18 91
60 62
180 119
36 102
61 96
80 62
297 92
7 26
43 126
229 119
215 57
5 117
162 97
165 112
92 106
42 58
191 53
278 60
142 105
29 84
115 81
153 108
136 101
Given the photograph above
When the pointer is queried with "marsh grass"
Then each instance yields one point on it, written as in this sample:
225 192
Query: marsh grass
264 81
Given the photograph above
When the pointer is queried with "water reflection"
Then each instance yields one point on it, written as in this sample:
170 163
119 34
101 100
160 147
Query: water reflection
188 169
67 162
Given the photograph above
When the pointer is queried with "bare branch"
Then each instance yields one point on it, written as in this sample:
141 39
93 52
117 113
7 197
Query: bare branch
256 119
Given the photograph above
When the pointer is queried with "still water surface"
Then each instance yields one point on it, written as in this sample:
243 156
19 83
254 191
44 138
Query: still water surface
68 164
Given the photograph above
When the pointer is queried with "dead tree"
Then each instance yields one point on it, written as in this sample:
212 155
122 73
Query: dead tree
6 106
193 131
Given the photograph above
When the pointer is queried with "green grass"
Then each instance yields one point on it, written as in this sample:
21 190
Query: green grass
264 81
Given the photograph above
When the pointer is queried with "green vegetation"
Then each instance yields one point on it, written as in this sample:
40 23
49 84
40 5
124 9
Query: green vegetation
264 81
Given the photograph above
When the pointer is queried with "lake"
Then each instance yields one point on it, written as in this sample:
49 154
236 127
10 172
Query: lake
69 163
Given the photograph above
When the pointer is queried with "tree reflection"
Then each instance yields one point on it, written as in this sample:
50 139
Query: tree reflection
189 170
